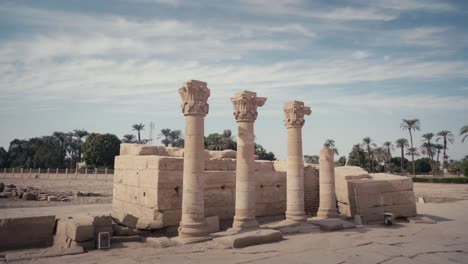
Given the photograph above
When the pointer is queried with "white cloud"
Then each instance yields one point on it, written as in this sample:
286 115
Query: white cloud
360 54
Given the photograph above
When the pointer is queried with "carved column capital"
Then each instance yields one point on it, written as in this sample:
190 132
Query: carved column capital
294 112
245 105
194 96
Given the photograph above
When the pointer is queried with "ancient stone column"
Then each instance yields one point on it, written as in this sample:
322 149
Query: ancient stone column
327 207
194 96
245 111
294 120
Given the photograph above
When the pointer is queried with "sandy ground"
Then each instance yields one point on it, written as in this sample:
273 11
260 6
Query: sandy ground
446 241
443 242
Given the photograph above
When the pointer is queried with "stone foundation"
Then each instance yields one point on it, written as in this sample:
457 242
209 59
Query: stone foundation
148 186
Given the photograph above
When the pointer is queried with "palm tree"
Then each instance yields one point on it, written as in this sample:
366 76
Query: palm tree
80 134
367 144
412 151
463 131
388 147
138 127
175 137
330 144
447 137
411 125
165 132
314 159
429 148
379 154
402 143
438 148
128 138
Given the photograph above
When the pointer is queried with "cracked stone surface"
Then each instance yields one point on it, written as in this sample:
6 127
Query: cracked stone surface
443 242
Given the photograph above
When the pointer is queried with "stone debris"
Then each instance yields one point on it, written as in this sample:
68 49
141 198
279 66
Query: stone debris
160 242
250 238
333 224
52 198
81 230
29 196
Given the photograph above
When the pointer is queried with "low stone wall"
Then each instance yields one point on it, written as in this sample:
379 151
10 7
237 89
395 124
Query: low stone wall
372 195
148 188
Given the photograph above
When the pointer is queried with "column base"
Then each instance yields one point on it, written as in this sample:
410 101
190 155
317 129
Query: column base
244 224
296 217
327 213
192 230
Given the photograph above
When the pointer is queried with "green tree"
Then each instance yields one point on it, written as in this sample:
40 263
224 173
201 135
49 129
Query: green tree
128 138
402 143
428 147
165 132
388 147
423 165
357 156
330 144
368 145
4 159
176 138
341 161
222 141
411 125
101 149
80 134
463 131
262 153
312 159
446 137
138 128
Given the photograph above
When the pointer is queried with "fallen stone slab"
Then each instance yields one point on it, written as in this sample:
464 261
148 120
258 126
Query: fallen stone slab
48 253
160 242
304 228
123 239
421 220
332 224
24 232
80 229
120 230
29 196
250 238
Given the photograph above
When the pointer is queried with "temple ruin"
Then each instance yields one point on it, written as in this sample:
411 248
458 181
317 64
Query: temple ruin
156 187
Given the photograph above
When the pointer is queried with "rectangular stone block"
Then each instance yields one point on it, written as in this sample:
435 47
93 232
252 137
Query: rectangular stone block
81 228
403 197
26 232
263 165
280 165
220 165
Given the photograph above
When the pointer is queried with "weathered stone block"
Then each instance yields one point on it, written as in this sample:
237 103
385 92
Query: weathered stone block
251 238
80 229
16 233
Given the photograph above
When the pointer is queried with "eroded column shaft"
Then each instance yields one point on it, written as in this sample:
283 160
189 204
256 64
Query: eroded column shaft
327 206
295 176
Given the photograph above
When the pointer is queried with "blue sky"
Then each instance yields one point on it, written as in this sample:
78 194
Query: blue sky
361 66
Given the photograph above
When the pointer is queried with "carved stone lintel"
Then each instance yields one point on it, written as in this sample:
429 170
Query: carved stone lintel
245 105
294 112
194 96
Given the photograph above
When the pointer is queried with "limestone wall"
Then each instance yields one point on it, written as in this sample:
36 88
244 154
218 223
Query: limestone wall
148 186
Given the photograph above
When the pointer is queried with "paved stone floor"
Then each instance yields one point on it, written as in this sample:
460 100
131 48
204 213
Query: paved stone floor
443 242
